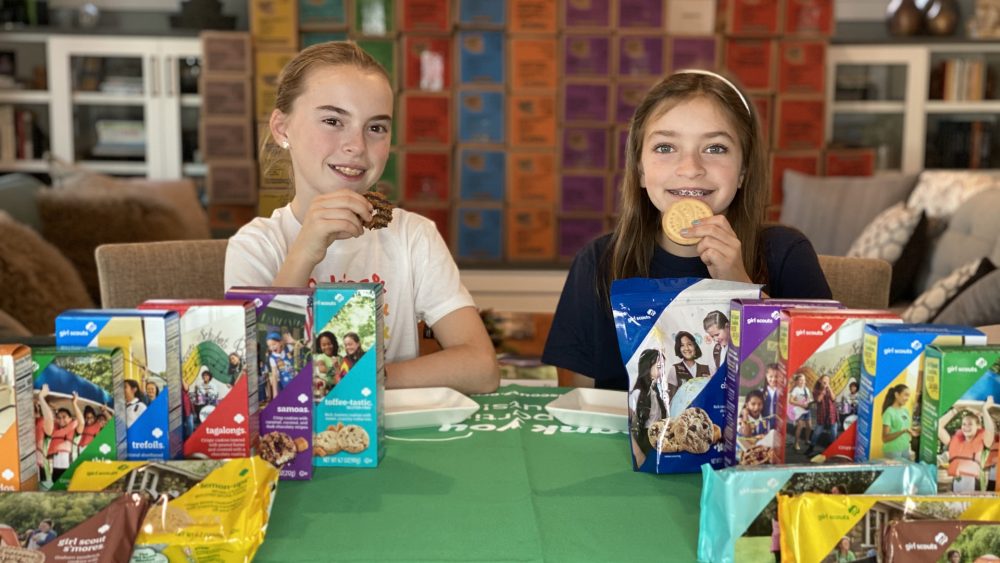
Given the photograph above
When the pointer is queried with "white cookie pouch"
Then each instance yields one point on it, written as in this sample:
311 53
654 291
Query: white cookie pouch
673 335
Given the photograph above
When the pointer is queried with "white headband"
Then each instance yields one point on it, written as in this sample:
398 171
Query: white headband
720 77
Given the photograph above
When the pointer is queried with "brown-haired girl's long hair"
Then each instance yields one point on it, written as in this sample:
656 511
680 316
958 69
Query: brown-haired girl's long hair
634 238
291 83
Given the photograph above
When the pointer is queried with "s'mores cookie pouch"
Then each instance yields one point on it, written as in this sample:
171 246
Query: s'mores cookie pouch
673 335
348 421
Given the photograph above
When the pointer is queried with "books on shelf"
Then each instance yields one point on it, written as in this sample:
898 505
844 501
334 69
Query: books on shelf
961 79
18 134
962 144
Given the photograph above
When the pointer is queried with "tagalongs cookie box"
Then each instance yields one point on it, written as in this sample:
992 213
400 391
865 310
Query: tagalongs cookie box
286 367
348 420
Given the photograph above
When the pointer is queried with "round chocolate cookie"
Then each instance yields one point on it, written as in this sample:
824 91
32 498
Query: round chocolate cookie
352 439
277 448
662 436
697 430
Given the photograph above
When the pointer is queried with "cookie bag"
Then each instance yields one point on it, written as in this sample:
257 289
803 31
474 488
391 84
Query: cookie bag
739 504
673 335
205 510
814 527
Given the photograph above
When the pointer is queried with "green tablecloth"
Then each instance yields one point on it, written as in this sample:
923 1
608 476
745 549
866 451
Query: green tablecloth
509 484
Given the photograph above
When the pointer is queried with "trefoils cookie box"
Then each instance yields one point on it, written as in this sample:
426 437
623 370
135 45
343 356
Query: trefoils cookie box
959 412
18 467
349 419
201 510
754 375
284 354
79 409
218 375
822 346
150 345
892 377
673 336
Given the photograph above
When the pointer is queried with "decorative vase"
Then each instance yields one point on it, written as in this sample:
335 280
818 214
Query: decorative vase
903 17
941 17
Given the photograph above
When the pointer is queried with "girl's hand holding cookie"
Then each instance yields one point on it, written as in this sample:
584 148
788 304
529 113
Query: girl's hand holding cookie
719 248
334 216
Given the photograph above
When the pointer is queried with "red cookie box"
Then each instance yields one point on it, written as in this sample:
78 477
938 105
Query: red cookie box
575 231
588 56
232 181
531 233
693 52
534 62
586 14
806 162
764 105
849 162
425 15
426 176
531 177
802 67
754 17
586 193
531 120
689 17
799 123
585 148
478 233
226 138
809 17
389 184
532 16
823 342
226 97
427 63
752 62
226 52
641 57
210 329
426 118
586 102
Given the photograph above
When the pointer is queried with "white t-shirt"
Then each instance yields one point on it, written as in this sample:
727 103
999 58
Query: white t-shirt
409 257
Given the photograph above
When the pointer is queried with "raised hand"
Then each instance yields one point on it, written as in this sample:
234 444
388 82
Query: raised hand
719 248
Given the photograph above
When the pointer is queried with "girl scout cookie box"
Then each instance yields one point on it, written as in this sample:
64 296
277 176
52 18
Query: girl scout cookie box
824 527
892 376
739 507
284 354
150 345
18 466
79 527
218 375
960 413
820 351
931 541
79 409
673 336
205 510
348 419
755 385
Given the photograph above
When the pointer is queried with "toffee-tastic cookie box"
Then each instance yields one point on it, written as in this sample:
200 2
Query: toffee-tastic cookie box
284 353
348 419
218 375
150 345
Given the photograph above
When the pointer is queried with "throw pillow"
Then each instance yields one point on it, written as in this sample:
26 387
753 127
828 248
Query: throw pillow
940 192
898 235
832 211
927 307
976 306
38 281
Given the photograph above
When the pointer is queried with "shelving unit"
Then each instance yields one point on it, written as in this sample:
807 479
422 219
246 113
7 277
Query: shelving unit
141 92
887 97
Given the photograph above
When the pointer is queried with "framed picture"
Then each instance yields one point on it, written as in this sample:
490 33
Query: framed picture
985 23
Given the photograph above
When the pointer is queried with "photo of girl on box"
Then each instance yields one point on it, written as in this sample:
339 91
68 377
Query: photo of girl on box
967 447
648 401
897 424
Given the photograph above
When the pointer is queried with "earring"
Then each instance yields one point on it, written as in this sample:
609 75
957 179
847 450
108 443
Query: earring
284 144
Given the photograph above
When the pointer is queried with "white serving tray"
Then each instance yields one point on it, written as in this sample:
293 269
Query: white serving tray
429 406
593 408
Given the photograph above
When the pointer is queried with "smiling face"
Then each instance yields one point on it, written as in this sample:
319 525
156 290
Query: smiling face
338 130
754 406
691 151
129 392
970 426
718 335
326 345
274 345
772 377
687 348
63 418
350 345
902 397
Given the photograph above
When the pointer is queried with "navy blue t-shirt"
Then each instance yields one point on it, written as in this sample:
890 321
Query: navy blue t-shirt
583 338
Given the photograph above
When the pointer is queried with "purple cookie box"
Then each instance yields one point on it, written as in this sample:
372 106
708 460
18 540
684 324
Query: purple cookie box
592 13
640 56
585 147
640 13
759 320
587 55
583 193
288 412
587 102
575 233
